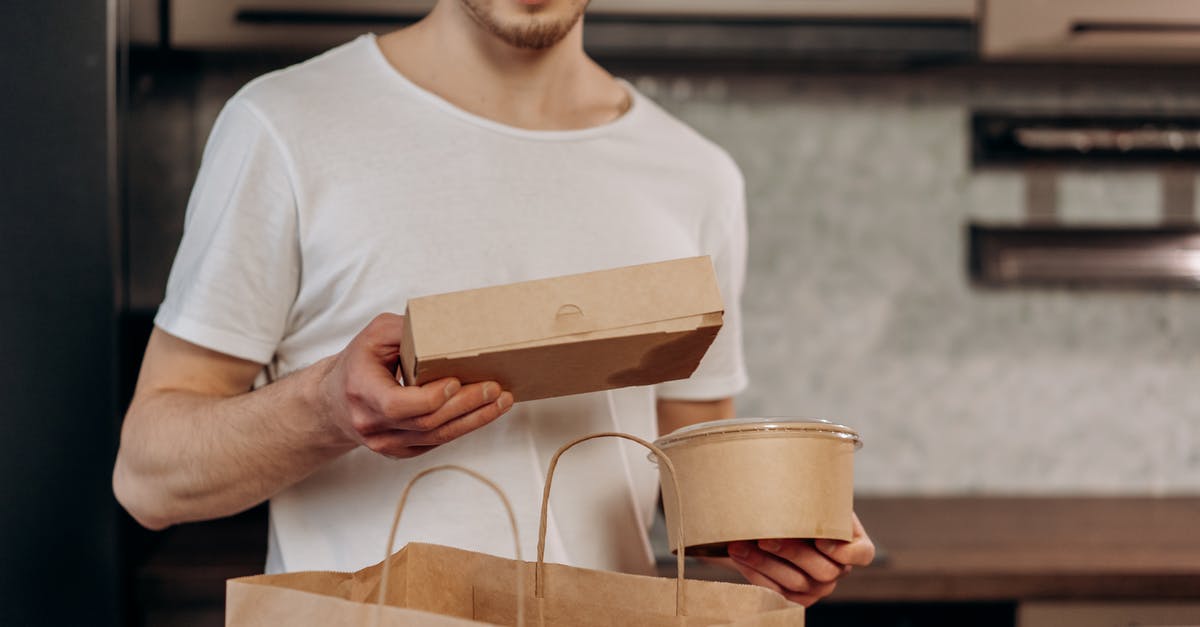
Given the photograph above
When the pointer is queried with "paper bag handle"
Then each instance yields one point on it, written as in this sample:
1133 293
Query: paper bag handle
539 572
512 521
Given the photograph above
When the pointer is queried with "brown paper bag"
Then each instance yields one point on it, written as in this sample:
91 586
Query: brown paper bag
425 584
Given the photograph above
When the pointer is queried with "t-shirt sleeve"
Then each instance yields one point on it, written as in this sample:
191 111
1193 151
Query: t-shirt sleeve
237 271
722 372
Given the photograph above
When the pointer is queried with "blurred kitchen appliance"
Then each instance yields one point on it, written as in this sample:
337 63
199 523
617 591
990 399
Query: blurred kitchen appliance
1152 257
1091 30
1042 251
1109 139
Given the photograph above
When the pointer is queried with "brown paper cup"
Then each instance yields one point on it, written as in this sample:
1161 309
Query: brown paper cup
755 479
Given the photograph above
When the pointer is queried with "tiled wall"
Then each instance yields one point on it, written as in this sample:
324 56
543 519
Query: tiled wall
858 305
859 308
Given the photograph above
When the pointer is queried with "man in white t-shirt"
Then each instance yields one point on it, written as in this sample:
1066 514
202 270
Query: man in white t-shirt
479 146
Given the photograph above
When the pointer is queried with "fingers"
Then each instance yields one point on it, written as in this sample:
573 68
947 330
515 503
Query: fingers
785 574
390 405
859 551
365 376
803 571
755 577
360 396
387 402
758 579
460 403
460 426
404 443
804 556
762 569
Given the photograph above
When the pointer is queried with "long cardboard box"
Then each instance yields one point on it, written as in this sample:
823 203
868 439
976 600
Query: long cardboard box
637 325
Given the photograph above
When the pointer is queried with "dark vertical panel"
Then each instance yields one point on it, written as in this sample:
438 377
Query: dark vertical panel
57 552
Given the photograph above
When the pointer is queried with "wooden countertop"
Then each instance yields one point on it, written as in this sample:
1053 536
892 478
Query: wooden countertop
932 549
991 548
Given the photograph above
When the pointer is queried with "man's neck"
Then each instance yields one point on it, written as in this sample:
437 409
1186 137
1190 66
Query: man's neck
559 87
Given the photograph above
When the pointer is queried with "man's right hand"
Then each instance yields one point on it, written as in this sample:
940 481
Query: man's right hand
198 443
363 401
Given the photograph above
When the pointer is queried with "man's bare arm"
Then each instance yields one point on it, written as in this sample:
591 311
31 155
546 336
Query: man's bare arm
674 415
197 443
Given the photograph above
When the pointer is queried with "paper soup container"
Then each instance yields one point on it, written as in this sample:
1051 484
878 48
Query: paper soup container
760 478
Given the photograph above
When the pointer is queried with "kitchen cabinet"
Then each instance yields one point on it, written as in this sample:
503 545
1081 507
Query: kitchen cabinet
1091 30
758 28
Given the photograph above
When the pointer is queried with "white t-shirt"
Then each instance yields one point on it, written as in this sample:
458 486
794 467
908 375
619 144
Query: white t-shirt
337 189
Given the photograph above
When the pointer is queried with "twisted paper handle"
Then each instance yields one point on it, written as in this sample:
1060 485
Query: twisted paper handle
539 573
512 520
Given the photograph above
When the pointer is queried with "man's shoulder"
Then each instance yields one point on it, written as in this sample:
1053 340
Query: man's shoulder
682 143
309 87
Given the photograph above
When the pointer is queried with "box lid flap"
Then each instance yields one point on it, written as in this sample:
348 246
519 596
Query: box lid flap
494 317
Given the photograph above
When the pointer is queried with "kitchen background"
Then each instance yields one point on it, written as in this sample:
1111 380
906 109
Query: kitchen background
859 304
863 180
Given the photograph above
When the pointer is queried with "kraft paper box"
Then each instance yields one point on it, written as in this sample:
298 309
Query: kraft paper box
638 325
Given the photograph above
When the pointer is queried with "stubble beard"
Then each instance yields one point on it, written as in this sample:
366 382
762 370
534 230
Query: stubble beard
532 32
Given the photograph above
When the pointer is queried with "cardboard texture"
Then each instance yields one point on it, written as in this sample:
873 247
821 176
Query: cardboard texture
755 486
426 584
637 325
436 585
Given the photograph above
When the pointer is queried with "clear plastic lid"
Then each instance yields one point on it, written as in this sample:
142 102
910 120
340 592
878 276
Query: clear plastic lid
741 427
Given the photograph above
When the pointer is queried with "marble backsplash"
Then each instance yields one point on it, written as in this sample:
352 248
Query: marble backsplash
859 307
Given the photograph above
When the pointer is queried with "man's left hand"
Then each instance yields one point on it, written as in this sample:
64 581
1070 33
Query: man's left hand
803 571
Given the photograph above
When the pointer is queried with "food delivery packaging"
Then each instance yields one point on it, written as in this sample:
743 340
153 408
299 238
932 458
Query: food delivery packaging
637 325
760 478
426 585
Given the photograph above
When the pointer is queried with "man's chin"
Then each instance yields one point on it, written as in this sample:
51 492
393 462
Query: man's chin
535 36
535 25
